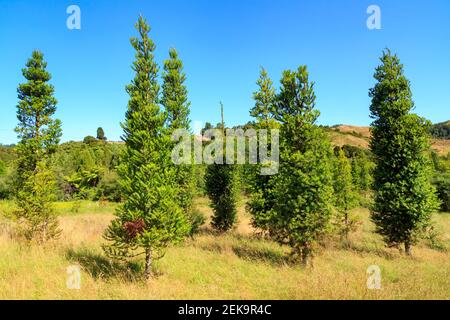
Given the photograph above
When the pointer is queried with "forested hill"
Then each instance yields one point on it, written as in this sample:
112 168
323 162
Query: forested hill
441 130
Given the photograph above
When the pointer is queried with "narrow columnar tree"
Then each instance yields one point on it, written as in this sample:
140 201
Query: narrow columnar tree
404 196
38 135
261 186
150 218
220 183
175 101
303 190
344 195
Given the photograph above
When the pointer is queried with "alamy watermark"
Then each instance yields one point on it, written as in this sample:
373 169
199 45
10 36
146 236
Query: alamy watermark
374 278
73 22
374 20
73 281
230 146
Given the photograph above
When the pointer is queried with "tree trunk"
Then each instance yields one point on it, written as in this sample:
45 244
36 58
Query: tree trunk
148 264
407 248
346 226
306 255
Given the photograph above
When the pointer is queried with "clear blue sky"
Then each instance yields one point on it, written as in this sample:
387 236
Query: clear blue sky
222 44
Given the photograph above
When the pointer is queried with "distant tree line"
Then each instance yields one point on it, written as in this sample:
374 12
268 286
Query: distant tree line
441 130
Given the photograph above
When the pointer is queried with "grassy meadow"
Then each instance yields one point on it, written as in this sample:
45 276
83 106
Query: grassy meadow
236 265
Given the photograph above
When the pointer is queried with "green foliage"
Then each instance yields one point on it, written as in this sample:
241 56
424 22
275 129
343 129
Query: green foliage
220 181
2 168
74 162
442 184
39 136
108 187
345 195
261 186
90 140
362 168
7 153
101 134
434 238
303 187
83 182
264 99
38 132
36 217
441 179
150 218
7 182
174 92
175 101
261 199
221 187
404 197
196 220
350 151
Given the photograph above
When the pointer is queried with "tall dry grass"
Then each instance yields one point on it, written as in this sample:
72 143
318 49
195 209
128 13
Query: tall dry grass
236 265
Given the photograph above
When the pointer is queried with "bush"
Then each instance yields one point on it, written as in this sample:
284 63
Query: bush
442 184
109 187
89 140
196 220
6 183
220 181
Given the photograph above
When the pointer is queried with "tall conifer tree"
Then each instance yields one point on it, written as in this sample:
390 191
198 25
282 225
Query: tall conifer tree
264 100
303 190
220 182
39 136
175 101
404 196
344 194
150 218
261 186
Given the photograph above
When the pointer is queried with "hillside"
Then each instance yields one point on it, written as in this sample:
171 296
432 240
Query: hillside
441 130
359 136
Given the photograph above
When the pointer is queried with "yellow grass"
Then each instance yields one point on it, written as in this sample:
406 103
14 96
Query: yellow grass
232 266
363 131
441 146
359 136
341 139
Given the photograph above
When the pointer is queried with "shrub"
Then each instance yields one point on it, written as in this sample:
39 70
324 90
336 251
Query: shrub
442 184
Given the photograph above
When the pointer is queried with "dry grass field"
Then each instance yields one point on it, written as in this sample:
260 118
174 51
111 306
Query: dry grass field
237 265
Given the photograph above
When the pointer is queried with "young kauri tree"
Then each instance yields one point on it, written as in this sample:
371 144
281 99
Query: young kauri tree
264 100
345 196
150 218
220 185
304 189
261 186
362 168
39 136
404 196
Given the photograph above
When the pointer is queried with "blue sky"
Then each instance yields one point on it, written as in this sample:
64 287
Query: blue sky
222 44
